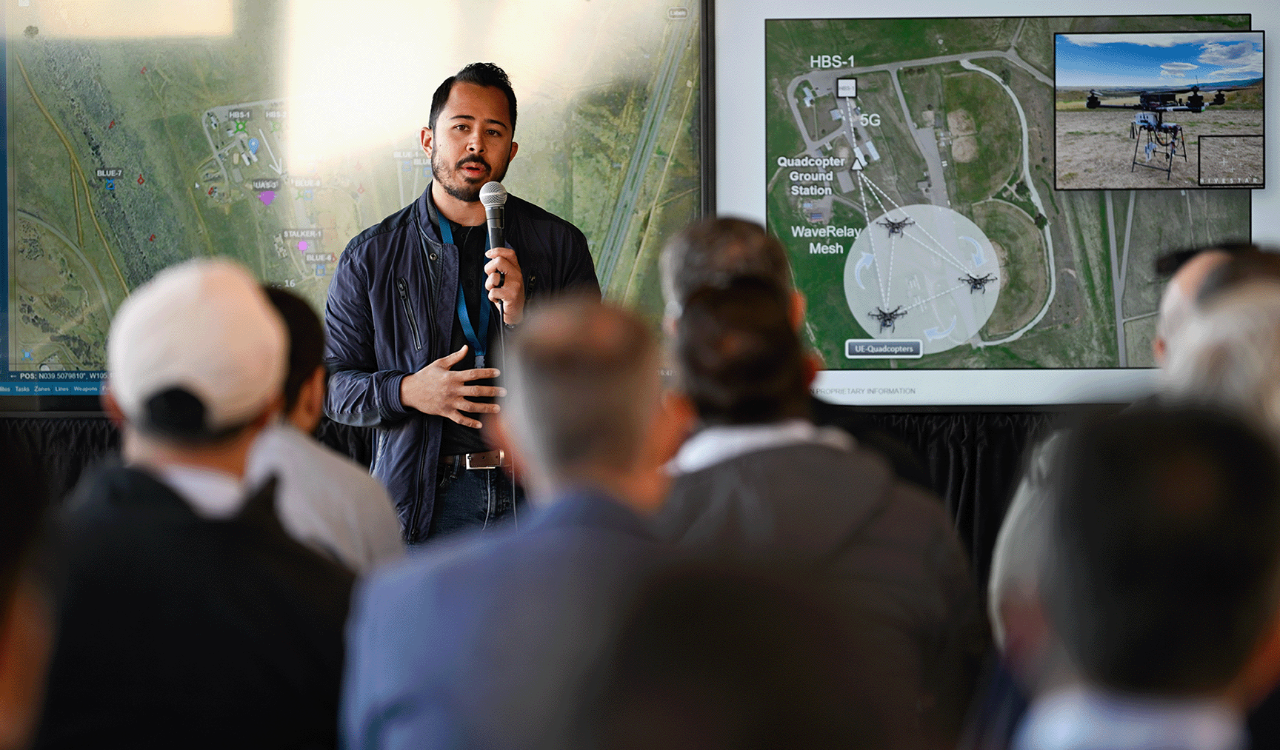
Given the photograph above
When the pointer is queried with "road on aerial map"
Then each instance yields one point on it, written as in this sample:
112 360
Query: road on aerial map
1119 270
609 250
93 271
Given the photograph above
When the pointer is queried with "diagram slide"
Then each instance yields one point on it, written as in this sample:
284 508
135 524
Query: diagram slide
916 169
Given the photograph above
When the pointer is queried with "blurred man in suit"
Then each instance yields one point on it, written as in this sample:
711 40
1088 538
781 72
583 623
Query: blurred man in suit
1031 653
759 479
1160 577
487 641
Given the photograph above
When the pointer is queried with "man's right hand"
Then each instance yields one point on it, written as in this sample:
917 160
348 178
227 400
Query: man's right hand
436 389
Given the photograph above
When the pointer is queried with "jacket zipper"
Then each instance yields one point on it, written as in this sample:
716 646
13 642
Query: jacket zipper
408 311
377 451
411 530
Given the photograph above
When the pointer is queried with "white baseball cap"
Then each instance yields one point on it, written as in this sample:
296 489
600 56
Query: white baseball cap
197 350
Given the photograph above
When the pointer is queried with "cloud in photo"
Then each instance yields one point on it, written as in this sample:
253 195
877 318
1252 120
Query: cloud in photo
1241 60
1165 40
1176 69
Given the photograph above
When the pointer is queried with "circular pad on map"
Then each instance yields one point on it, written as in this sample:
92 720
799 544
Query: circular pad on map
922 272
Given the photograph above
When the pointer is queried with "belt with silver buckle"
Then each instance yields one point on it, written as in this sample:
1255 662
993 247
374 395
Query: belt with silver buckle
484 460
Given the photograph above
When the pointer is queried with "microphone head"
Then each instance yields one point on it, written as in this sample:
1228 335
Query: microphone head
493 195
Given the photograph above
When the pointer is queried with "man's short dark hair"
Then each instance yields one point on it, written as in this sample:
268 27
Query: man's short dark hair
713 251
740 361
480 74
1161 577
306 341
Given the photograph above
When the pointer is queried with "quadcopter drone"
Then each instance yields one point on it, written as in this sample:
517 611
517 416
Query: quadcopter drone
895 227
888 318
977 283
1160 137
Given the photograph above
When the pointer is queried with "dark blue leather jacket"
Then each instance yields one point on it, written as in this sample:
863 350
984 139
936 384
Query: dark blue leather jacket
390 313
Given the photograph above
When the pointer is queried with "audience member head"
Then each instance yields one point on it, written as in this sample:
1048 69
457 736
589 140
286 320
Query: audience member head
26 618
1189 269
584 401
196 364
730 659
713 251
1026 641
1162 574
738 359
304 384
1229 354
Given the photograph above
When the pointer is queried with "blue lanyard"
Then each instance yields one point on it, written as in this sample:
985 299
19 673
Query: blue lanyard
478 345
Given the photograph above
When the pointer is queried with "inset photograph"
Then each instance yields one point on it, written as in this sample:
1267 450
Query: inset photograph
1129 109
1231 161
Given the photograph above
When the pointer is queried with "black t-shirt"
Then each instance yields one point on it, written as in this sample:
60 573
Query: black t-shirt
455 438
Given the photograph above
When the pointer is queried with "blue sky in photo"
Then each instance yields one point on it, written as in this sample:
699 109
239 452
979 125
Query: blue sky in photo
1151 60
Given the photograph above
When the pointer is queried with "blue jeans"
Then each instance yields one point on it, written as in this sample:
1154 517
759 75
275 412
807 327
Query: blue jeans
472 499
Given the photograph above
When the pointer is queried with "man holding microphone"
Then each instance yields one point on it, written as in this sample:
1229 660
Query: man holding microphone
419 303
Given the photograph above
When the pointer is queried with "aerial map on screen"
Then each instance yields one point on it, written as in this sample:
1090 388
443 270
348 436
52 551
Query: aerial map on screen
911 175
236 131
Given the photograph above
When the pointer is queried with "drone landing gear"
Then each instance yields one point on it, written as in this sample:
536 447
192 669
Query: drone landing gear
1161 138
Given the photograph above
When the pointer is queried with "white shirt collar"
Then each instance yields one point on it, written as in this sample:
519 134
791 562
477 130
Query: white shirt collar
713 445
214 495
1080 718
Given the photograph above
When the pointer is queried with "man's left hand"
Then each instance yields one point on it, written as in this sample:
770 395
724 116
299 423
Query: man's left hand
511 291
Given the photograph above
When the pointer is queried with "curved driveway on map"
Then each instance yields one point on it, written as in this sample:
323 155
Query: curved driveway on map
93 272
1035 198
964 58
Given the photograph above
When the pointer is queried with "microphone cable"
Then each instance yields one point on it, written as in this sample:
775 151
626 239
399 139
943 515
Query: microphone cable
502 343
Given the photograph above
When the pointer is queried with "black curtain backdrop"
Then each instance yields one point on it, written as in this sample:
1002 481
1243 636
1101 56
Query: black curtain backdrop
973 458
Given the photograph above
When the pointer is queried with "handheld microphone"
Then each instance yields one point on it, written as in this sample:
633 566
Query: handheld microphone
494 197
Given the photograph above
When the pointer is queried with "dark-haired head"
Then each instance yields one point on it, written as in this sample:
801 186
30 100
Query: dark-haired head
479 74
1162 571
306 341
739 359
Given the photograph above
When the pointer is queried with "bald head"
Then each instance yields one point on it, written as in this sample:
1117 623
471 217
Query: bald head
583 379
1179 300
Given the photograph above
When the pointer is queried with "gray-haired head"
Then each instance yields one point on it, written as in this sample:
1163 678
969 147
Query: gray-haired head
583 379
1228 354
711 252
1178 302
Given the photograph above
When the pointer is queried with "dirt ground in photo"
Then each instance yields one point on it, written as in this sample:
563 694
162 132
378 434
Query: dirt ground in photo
1231 161
1094 150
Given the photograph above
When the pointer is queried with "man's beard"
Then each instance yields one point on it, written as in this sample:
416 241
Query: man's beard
460 187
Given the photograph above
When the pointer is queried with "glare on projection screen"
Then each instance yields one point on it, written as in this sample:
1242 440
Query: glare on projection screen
141 133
